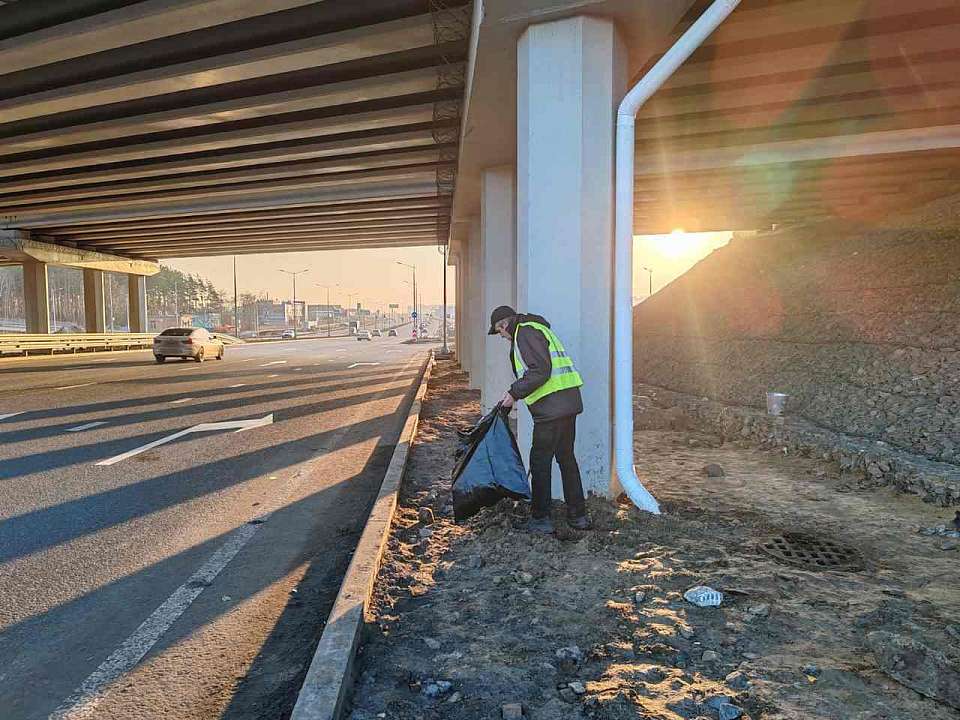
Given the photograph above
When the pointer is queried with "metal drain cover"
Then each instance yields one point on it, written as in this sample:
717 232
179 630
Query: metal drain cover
811 553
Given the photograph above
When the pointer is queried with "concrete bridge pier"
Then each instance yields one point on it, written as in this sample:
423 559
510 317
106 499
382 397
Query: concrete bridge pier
571 76
36 297
137 303
94 301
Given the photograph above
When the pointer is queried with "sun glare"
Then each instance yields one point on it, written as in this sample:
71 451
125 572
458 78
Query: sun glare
668 256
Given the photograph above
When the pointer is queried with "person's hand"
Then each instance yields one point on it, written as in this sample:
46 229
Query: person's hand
507 400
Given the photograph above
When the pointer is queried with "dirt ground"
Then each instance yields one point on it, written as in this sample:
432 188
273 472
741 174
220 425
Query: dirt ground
468 619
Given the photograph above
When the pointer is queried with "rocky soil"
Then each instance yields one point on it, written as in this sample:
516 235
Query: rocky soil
485 621
859 325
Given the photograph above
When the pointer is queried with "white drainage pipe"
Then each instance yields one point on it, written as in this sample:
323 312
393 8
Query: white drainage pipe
623 239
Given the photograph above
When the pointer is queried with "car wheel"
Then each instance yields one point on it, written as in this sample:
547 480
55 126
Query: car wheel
200 356
159 358
220 356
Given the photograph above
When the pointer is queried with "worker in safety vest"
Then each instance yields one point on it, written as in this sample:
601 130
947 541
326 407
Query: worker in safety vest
549 384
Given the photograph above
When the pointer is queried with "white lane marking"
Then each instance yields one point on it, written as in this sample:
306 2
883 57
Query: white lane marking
238 385
248 360
202 427
79 428
274 362
297 369
341 349
83 702
274 375
70 387
351 367
85 699
181 400
10 415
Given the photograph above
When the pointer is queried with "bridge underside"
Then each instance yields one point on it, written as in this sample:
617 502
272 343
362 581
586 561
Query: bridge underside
157 129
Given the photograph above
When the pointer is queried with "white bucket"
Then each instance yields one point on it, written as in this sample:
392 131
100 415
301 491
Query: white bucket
775 403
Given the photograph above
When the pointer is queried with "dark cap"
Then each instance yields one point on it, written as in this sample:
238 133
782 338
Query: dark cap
501 313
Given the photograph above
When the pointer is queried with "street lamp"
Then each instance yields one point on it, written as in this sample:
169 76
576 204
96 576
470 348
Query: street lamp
650 277
294 274
415 313
329 308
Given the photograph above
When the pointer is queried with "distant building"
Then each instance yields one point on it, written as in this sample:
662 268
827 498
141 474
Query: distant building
323 312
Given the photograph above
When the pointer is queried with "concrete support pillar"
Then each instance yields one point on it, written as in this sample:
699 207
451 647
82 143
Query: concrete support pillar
137 301
498 228
475 327
94 305
463 292
571 75
458 313
36 297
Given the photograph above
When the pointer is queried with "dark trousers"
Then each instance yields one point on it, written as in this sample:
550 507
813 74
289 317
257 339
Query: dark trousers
554 439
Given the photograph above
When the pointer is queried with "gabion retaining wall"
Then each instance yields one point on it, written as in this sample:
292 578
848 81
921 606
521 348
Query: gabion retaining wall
861 329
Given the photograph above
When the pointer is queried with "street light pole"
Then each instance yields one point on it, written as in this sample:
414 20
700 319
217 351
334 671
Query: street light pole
415 311
329 308
294 275
650 277
236 302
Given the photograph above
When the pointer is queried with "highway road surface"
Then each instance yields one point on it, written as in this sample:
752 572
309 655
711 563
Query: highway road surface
172 536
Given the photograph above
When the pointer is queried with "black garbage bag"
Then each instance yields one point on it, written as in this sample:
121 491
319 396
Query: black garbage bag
489 466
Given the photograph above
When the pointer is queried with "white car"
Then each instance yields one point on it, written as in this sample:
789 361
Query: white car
288 334
364 335
377 333
194 343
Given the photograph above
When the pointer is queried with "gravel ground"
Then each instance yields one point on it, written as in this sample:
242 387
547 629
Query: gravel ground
483 620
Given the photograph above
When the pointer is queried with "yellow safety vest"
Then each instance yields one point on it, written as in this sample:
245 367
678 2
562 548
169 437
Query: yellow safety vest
563 375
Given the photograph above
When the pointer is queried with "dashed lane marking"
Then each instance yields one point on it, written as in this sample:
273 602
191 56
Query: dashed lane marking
181 400
274 362
5 416
358 364
71 387
238 385
88 426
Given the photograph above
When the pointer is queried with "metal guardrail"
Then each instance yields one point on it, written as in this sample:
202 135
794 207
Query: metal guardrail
50 344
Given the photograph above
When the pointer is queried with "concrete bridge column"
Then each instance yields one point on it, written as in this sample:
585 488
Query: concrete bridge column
458 313
36 297
474 303
94 305
137 294
571 75
498 221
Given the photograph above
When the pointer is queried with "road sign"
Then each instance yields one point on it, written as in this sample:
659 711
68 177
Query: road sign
394 306
414 314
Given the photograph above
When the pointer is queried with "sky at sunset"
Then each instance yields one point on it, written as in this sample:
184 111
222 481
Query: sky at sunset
373 277
669 256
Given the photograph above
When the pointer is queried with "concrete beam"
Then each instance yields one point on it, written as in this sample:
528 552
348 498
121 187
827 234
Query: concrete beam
18 245
258 201
316 51
139 23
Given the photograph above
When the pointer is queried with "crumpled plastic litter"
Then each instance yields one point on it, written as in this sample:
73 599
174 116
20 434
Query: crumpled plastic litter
703 596
488 468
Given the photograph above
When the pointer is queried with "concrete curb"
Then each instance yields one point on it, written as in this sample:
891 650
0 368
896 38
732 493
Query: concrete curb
328 681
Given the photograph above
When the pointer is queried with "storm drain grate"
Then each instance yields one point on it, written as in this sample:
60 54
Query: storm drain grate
811 553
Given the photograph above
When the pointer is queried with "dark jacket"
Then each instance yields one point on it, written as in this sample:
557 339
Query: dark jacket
535 352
